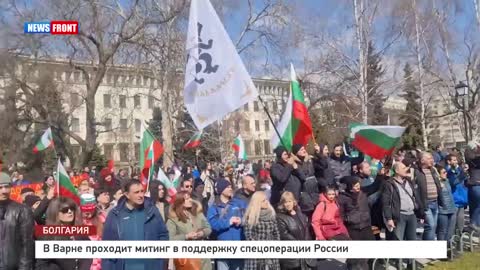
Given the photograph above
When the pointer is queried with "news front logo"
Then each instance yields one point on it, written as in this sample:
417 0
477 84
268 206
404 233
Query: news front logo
53 28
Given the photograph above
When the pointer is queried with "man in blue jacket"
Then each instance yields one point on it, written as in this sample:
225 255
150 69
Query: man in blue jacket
457 178
225 219
134 218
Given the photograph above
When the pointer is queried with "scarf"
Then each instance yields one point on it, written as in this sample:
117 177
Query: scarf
265 215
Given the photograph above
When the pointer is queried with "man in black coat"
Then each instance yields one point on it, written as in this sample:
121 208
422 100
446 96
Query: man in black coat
285 176
16 225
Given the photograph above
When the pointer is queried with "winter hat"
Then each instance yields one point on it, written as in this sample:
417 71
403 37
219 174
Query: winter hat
349 181
5 179
105 172
30 200
87 203
26 190
198 182
296 148
279 151
221 185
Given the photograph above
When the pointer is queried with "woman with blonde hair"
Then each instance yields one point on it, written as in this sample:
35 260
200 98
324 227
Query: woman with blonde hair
187 222
293 225
260 225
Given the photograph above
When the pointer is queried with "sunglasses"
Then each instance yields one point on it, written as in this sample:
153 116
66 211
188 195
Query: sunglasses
65 209
6 186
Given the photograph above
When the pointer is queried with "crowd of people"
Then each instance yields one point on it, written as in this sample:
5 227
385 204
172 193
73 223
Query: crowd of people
339 196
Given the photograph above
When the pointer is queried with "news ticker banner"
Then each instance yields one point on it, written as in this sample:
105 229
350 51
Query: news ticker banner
239 249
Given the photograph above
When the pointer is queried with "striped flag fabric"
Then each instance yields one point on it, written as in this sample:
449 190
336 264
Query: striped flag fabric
150 151
239 148
65 186
45 141
194 142
169 185
375 141
295 126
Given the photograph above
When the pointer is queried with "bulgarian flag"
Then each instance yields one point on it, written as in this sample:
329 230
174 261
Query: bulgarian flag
375 141
65 187
45 141
239 148
194 141
171 189
150 151
295 126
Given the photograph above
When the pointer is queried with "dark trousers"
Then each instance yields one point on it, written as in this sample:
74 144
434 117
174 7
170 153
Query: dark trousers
364 234
405 229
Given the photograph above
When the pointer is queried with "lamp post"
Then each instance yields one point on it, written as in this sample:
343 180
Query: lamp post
461 90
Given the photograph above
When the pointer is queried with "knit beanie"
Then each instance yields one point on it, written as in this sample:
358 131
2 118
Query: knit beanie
296 148
279 151
5 179
221 185
30 200
87 203
26 190
349 181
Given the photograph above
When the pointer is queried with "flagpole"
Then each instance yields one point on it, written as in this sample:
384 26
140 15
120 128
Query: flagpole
271 120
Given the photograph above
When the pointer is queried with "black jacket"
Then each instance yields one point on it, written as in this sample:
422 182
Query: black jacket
294 229
64 264
391 201
18 250
285 178
421 185
323 172
472 157
39 213
354 210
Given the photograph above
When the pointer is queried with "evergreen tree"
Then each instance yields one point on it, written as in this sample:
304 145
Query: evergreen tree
376 99
411 117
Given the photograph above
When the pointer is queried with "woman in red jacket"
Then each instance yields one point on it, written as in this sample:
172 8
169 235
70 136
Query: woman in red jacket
326 221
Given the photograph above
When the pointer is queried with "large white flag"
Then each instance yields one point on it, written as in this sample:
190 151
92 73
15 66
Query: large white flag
216 81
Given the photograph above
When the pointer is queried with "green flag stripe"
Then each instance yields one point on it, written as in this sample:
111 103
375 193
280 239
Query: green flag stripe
297 92
67 184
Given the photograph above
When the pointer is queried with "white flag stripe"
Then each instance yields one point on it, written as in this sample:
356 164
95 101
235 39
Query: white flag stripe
216 81
287 114
391 131
46 137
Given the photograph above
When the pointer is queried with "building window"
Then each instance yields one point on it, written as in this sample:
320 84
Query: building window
255 106
75 124
74 100
257 125
108 123
108 151
258 148
237 126
245 107
123 124
123 147
138 125
266 146
248 147
151 102
107 100
123 101
267 125
275 106
137 101
76 76
137 151
247 125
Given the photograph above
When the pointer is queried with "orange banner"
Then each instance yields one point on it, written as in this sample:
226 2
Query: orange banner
15 193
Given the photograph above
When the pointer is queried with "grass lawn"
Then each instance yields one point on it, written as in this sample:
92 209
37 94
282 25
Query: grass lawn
469 261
